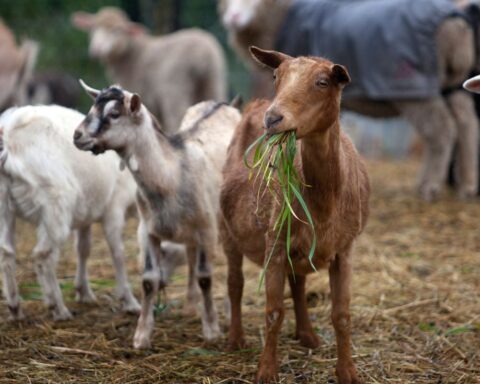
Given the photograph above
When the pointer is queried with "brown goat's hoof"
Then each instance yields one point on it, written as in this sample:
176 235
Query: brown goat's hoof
308 339
347 374
236 344
267 374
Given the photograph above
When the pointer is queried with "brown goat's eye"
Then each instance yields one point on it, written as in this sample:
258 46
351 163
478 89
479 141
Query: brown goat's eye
274 76
322 83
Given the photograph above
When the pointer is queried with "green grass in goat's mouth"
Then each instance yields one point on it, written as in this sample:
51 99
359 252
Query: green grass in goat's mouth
273 163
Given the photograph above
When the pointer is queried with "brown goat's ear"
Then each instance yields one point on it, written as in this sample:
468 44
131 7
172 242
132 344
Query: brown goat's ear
473 84
340 74
135 103
83 20
270 59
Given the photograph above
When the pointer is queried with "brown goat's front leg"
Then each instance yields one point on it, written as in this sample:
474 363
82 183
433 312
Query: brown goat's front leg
304 330
235 280
340 276
274 287
150 285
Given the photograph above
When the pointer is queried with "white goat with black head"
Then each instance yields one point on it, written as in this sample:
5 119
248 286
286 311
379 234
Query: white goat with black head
178 180
48 182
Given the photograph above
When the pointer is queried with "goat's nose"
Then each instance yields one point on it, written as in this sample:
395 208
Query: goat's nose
77 135
272 119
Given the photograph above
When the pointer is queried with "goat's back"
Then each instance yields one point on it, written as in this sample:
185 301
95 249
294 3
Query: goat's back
48 171
209 126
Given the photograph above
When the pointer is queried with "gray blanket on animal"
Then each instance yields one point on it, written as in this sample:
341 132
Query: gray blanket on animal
388 46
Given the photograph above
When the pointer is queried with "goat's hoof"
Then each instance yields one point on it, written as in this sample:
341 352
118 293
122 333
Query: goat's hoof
465 194
211 331
141 341
267 373
85 296
429 193
62 315
234 344
131 307
347 374
308 339
16 314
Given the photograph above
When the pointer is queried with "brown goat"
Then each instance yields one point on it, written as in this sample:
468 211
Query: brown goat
308 92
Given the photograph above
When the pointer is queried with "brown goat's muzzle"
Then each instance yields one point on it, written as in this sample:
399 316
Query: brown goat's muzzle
85 142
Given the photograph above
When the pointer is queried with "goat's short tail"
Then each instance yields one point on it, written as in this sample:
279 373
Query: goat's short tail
3 155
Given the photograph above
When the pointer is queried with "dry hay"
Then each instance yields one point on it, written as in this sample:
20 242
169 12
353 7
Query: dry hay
415 309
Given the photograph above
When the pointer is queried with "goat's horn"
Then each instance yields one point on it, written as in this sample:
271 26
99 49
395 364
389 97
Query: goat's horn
92 92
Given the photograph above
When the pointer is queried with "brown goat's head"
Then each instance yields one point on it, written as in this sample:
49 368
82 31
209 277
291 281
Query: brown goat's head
307 92
111 121
110 31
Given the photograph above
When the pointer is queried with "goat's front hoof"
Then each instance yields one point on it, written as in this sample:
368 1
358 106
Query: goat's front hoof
308 339
267 373
428 193
236 343
131 306
211 331
141 340
16 313
347 374
85 295
61 314
467 194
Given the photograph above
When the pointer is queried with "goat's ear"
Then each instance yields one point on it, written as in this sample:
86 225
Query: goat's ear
92 92
83 20
136 29
270 59
135 103
340 74
473 84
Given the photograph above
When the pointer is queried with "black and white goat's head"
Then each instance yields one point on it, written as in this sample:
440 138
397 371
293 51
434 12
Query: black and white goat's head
111 121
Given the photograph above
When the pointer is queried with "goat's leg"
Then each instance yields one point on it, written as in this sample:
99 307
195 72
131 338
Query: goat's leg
193 293
340 272
436 126
82 243
304 330
275 311
235 281
7 257
45 256
466 164
113 224
203 272
150 284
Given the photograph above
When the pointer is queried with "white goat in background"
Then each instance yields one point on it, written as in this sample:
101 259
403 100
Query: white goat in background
47 181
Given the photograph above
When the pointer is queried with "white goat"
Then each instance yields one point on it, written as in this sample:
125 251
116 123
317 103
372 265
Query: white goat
171 72
47 181
179 184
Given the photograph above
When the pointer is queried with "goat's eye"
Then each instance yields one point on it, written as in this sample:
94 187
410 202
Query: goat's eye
114 114
274 76
322 83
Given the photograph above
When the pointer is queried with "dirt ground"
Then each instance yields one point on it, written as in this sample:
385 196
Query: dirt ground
415 309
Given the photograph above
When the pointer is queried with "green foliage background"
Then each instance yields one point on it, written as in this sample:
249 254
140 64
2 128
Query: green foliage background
64 48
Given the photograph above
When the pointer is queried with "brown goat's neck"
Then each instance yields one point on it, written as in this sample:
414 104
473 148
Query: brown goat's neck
321 157
152 160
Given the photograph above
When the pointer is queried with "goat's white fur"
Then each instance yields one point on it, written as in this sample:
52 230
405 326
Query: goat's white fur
50 183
